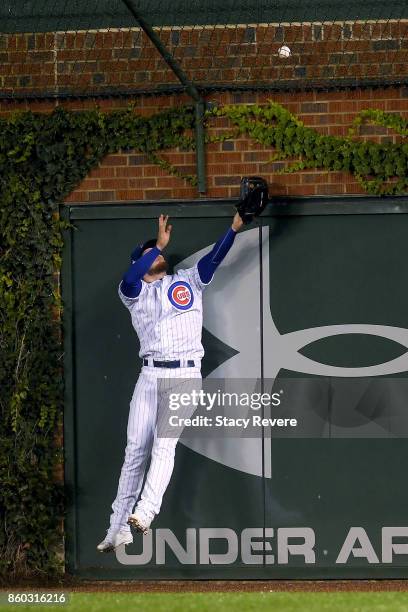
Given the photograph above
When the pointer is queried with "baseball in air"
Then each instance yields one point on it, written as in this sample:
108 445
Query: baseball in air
284 51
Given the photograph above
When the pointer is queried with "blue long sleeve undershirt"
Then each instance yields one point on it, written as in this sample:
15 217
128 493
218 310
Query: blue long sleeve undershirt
209 263
132 279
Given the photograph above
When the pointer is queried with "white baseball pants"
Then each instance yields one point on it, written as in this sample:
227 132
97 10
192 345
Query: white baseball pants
148 408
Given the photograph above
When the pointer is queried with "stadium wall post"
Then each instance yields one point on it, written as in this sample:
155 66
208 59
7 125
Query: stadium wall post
190 88
200 148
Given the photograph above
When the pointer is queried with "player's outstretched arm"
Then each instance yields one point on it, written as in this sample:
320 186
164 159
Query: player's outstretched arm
132 279
209 263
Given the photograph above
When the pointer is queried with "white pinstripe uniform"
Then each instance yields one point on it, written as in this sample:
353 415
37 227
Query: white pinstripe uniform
167 316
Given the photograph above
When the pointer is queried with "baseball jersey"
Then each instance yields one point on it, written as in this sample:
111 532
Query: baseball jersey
167 316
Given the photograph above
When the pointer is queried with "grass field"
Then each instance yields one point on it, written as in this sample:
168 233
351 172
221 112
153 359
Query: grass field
237 602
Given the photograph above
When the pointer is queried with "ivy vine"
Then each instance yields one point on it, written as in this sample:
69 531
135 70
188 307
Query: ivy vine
380 168
43 157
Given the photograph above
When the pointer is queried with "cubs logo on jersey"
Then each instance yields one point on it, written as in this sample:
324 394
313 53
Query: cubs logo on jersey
180 295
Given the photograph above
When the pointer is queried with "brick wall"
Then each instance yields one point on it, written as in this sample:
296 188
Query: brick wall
71 61
130 177
126 59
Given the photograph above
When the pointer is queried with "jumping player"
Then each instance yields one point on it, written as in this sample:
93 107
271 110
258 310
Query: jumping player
166 313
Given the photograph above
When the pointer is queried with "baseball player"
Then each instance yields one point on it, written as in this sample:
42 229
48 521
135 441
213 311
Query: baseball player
166 313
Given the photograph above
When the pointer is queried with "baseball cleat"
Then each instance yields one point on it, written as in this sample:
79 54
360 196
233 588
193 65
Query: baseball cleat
138 523
111 542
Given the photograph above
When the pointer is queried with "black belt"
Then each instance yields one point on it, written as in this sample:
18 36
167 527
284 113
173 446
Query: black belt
169 364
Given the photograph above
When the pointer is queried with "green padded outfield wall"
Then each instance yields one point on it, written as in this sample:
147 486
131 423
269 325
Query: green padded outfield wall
316 292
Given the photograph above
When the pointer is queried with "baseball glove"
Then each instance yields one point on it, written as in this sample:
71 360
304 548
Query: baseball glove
253 197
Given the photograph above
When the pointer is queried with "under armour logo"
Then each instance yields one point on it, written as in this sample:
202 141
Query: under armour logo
281 351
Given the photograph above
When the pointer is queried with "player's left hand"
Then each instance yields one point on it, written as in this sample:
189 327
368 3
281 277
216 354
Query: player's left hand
237 222
163 235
